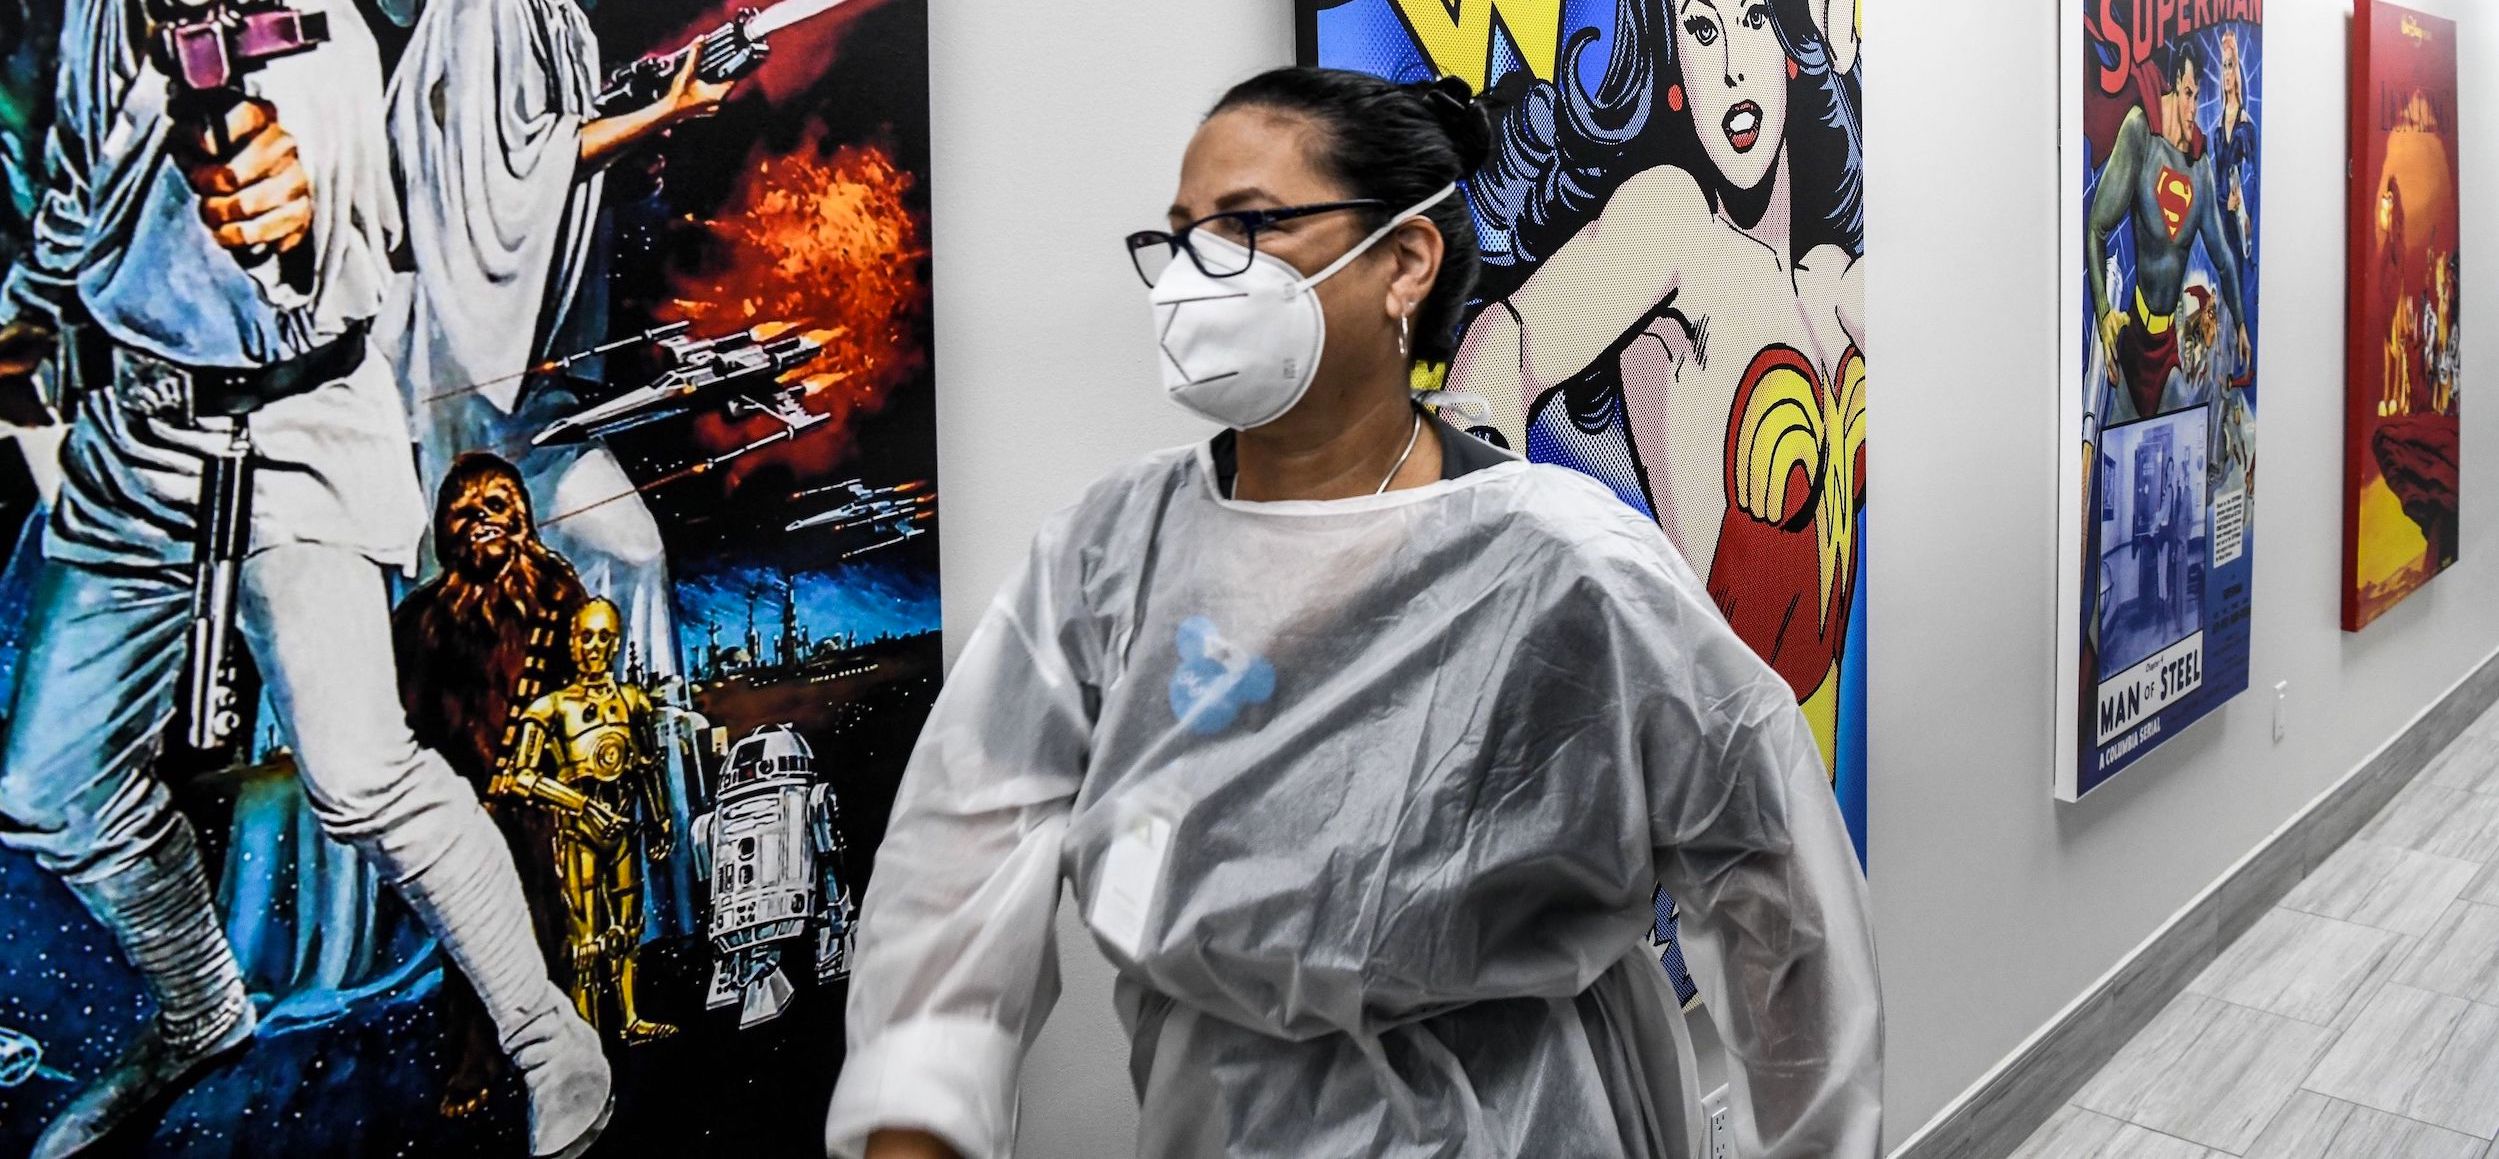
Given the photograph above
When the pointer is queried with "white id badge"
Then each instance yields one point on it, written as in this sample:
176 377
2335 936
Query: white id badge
1123 896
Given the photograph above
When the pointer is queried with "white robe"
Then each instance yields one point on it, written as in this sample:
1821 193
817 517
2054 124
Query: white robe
1365 800
117 237
486 112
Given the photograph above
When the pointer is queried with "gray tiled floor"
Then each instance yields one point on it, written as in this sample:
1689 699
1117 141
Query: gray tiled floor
2359 1018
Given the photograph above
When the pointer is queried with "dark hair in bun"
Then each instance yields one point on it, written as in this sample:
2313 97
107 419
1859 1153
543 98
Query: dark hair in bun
1462 116
1397 144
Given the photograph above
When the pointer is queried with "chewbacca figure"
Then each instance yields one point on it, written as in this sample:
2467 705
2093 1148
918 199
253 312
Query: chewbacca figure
476 643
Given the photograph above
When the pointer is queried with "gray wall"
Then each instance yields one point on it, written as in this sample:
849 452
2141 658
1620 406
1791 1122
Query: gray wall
1995 906
1058 130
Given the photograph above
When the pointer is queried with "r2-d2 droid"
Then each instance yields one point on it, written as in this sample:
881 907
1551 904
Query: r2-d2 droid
773 844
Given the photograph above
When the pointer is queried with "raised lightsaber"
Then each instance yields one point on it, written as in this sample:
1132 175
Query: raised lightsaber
733 50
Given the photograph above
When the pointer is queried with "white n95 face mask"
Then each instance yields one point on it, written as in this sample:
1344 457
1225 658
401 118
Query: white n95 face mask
1243 350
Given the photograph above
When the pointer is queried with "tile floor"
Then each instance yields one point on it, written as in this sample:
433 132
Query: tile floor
2357 1019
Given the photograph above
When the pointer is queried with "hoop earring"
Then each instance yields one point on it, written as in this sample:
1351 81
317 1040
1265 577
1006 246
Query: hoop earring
1674 97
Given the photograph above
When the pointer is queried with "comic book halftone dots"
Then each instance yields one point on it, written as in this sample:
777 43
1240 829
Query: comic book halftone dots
1472 39
1216 679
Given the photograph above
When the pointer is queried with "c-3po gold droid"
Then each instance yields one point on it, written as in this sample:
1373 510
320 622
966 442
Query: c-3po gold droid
587 752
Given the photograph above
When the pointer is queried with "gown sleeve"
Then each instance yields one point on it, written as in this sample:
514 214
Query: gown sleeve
1749 839
957 959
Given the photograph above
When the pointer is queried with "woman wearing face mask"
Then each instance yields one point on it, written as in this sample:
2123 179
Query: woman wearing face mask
1361 744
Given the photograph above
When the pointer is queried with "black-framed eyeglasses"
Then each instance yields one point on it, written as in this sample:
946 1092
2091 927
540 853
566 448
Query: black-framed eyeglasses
1152 251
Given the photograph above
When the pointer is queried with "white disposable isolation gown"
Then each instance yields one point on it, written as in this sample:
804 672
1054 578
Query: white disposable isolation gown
1365 800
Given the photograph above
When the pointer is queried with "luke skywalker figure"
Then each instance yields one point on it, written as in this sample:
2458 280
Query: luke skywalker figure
242 281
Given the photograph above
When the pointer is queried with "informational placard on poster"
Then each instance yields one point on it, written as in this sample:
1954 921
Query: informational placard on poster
2162 210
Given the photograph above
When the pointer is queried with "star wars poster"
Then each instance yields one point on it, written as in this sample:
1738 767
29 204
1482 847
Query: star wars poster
2403 321
2163 117
1674 217
471 582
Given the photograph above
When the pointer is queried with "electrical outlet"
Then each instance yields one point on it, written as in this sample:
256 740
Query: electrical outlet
1721 1125
2281 711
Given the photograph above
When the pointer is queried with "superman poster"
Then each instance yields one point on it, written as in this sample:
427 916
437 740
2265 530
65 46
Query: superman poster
2403 330
468 495
2164 121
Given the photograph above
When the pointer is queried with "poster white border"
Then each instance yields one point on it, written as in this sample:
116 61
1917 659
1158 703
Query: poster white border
2071 501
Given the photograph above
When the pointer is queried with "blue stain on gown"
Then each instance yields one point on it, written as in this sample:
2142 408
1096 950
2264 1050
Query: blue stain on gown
1216 680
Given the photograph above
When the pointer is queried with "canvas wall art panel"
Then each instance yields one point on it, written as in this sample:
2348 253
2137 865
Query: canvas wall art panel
1675 205
2164 214
1600 122
414 404
2403 326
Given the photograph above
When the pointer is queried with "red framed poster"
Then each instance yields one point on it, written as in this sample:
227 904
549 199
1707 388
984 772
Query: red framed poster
2402 324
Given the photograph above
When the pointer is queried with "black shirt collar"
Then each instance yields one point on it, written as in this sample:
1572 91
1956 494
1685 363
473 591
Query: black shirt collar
1461 454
